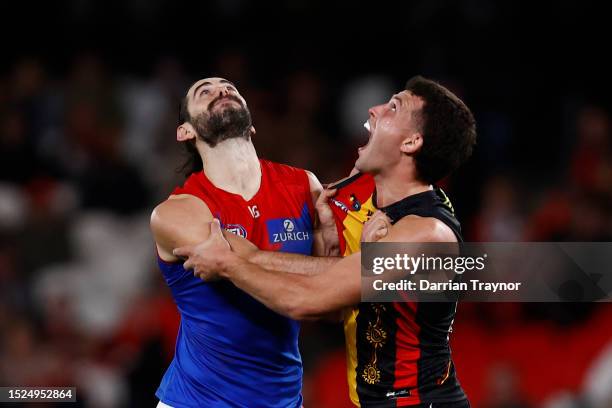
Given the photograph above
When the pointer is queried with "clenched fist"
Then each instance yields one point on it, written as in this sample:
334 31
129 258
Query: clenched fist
376 227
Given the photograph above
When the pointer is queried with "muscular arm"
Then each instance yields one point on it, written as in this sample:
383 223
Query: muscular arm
291 263
300 297
180 220
309 297
185 220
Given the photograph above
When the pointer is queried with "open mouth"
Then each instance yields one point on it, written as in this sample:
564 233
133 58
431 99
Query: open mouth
369 129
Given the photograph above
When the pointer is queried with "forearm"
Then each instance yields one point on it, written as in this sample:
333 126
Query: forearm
292 263
295 295
289 294
279 261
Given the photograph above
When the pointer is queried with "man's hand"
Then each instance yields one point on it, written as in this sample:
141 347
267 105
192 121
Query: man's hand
209 258
376 227
326 225
241 246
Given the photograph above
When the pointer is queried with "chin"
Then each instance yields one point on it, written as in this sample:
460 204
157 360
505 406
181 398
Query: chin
359 165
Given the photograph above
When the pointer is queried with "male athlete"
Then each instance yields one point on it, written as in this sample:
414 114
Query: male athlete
398 353
231 350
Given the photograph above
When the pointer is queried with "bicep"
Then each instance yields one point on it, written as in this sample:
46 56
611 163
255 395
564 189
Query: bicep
178 222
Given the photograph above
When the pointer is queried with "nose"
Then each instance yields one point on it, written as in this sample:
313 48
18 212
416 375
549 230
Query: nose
373 111
224 91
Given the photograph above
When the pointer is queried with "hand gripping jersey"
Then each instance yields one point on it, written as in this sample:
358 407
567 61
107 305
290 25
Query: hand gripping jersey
398 354
232 351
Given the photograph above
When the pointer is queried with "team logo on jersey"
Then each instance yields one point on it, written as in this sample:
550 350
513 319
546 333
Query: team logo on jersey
355 202
293 234
236 229
339 205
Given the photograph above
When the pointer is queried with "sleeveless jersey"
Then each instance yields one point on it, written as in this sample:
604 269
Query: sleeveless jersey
232 351
398 353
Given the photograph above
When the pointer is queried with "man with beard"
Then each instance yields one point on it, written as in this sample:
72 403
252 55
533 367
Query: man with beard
398 353
231 350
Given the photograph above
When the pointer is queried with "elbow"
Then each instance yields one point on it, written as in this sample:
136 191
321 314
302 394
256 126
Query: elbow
301 313
296 308
302 305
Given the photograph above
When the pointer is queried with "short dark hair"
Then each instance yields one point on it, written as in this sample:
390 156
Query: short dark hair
193 161
448 129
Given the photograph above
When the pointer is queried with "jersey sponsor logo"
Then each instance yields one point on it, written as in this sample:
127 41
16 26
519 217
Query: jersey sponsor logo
292 234
289 225
339 205
236 229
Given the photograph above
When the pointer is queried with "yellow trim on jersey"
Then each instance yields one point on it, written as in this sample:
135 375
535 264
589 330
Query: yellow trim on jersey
350 337
353 225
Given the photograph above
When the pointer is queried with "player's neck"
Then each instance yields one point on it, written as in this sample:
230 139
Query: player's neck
391 189
233 166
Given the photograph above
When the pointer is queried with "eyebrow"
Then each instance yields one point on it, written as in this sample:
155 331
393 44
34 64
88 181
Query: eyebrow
223 81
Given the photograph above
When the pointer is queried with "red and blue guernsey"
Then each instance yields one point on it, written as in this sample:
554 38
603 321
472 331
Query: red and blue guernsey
232 351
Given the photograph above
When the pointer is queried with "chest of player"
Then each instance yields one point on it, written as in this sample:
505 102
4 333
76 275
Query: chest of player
272 221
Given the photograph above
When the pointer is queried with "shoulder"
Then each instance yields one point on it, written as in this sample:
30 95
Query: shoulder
179 212
413 228
314 183
289 173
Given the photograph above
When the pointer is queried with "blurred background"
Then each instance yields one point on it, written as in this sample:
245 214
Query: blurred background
89 97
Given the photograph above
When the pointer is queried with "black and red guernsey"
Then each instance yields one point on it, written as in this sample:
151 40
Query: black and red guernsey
398 353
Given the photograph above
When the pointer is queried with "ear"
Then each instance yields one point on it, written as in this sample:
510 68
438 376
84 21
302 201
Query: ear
185 132
412 144
252 130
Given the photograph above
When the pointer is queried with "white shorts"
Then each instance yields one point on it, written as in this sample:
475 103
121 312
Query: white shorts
162 405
